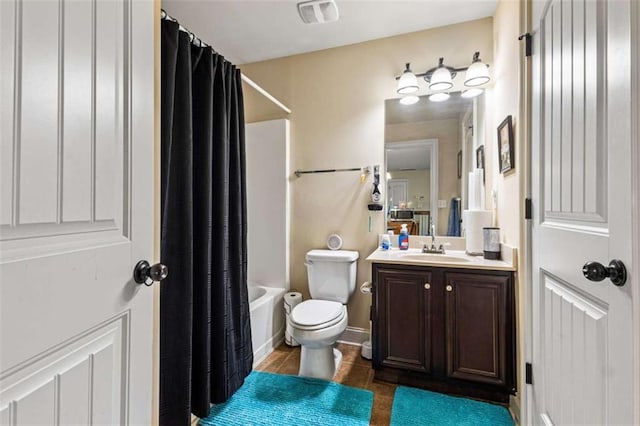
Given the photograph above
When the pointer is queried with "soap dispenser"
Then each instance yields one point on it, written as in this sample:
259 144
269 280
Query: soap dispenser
403 239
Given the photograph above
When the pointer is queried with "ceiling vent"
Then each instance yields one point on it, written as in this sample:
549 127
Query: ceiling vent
318 11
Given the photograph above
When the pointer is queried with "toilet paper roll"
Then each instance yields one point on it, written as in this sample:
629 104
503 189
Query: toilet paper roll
292 298
474 221
365 288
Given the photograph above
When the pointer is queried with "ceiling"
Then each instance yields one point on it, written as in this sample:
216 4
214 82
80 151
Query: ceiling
247 31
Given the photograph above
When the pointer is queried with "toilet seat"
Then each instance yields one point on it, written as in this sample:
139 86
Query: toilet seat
317 314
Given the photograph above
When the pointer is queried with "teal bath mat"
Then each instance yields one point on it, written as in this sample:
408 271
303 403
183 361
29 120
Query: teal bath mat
420 407
275 399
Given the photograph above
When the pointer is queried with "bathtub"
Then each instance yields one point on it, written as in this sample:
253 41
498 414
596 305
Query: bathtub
267 320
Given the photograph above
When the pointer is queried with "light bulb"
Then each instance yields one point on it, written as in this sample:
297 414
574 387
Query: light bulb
472 93
439 97
409 100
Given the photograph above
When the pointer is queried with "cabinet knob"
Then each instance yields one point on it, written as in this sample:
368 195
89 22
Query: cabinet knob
449 288
427 286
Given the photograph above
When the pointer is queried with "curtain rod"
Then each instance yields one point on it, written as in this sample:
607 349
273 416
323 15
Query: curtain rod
198 42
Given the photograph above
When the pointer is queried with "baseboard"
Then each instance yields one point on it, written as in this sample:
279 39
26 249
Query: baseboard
354 336
514 408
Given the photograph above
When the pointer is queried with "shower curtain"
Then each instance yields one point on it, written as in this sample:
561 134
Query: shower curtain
205 333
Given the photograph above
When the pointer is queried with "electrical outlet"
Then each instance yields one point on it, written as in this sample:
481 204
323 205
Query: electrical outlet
442 204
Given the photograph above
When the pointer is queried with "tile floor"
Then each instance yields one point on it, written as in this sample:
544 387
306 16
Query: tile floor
354 371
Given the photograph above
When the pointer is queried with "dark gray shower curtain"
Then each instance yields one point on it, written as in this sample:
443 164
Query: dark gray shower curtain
205 332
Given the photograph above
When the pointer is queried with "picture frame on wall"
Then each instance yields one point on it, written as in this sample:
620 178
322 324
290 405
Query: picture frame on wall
480 161
506 158
459 164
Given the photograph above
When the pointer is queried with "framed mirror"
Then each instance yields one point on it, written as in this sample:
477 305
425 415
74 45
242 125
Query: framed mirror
430 147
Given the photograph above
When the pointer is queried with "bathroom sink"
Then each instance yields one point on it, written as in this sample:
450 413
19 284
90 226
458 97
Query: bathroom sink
427 257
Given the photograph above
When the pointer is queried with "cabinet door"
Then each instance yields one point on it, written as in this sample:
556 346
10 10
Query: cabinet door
403 319
478 328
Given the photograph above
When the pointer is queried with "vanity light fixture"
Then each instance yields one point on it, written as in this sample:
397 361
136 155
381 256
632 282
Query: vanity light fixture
441 78
477 74
407 83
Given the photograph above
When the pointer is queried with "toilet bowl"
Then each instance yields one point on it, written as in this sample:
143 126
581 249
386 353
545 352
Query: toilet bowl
316 325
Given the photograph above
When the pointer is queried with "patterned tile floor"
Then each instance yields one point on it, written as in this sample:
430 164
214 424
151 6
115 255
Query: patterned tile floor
354 371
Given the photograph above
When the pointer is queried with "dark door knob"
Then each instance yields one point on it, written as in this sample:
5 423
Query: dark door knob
147 274
596 271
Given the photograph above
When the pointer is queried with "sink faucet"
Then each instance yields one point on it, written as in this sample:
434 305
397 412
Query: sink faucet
433 236
433 249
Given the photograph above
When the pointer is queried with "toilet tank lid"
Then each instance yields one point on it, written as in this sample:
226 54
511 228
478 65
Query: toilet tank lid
333 255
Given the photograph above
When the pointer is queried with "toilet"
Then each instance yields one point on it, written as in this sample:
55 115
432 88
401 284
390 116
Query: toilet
318 322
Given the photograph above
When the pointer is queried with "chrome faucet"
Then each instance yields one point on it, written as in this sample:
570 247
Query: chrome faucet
433 236
433 249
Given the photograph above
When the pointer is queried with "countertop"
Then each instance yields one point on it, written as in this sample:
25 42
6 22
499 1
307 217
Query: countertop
451 259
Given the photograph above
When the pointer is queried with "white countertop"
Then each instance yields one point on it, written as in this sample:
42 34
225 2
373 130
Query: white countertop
451 259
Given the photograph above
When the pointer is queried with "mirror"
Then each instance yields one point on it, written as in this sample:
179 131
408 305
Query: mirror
430 147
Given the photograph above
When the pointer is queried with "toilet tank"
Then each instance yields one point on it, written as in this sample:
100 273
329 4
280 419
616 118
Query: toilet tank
331 274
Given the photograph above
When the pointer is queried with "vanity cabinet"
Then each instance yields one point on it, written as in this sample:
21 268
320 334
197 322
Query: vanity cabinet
446 329
405 310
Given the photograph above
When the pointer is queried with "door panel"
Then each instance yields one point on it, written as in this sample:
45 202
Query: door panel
568 313
37 144
581 141
76 215
398 191
84 372
575 143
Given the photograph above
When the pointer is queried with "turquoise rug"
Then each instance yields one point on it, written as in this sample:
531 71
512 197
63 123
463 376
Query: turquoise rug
420 407
276 399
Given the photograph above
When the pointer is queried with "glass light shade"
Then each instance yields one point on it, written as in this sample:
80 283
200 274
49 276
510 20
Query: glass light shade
409 100
472 93
440 79
477 75
408 83
439 97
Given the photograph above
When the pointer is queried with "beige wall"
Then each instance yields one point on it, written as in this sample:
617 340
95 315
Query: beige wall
448 134
504 100
337 98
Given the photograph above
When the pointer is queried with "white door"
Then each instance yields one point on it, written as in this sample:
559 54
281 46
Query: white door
76 214
581 167
398 190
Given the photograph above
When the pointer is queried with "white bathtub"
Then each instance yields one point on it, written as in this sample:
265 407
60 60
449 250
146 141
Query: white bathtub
267 320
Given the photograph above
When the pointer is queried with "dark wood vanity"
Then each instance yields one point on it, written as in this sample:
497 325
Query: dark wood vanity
446 329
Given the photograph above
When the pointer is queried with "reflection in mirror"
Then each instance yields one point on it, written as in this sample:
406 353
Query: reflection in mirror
429 150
